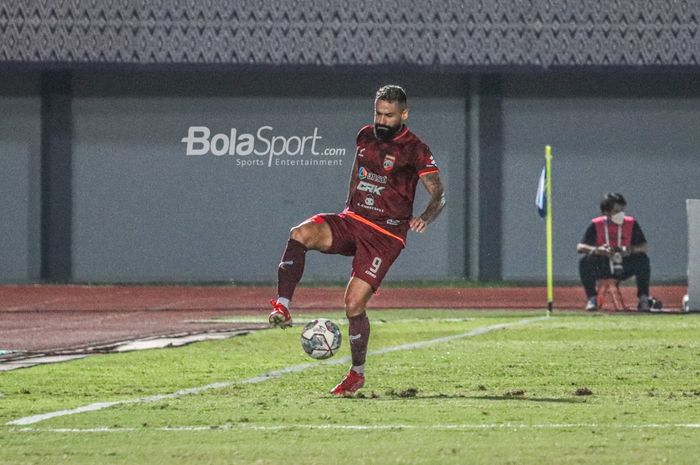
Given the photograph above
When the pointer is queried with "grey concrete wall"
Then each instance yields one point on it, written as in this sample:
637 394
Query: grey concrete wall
144 210
19 178
640 142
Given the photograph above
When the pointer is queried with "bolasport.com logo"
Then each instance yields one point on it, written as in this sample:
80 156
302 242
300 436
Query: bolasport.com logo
262 148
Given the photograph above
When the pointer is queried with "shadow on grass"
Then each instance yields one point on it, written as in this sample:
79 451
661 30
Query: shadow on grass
411 394
562 400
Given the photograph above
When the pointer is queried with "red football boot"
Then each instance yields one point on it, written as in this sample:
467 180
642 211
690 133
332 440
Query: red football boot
349 385
279 316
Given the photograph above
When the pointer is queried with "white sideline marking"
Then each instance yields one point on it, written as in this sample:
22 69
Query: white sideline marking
265 376
446 427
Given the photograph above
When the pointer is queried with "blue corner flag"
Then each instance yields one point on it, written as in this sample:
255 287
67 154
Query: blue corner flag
541 197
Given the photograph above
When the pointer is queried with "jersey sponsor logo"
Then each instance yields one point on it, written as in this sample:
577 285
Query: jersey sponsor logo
369 207
365 186
369 200
364 174
393 222
389 162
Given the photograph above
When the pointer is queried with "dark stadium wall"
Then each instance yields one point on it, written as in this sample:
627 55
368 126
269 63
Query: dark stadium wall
141 209
98 96
56 175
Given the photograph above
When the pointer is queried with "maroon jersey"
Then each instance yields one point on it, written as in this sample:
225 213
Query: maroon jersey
386 178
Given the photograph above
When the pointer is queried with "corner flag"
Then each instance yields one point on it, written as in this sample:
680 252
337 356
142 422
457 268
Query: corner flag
543 200
541 197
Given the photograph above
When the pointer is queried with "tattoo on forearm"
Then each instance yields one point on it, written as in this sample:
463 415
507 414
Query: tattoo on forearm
433 185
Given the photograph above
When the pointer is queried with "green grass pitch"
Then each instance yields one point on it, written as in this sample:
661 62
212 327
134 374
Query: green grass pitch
570 389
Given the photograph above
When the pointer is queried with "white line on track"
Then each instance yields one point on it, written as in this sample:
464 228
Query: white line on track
266 376
444 427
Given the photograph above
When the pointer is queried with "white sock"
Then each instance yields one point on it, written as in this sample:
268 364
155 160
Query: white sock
284 301
358 369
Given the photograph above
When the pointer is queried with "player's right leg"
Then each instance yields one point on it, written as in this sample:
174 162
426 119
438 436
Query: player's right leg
312 234
375 255
357 295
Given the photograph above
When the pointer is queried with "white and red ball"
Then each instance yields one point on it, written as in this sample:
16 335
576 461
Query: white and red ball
321 338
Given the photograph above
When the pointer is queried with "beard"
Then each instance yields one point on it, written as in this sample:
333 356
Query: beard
384 132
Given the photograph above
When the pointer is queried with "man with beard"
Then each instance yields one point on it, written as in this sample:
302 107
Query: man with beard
373 227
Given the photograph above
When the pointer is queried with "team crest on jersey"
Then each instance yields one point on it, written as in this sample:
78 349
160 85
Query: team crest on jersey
389 162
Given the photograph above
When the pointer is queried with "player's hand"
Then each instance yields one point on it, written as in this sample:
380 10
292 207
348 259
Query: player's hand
418 224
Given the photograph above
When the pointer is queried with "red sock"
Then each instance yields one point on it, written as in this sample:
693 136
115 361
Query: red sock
359 337
291 268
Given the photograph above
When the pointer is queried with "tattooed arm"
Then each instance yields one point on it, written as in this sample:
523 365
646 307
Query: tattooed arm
433 185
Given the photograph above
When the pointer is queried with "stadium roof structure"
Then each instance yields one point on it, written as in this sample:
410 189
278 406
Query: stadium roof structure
465 35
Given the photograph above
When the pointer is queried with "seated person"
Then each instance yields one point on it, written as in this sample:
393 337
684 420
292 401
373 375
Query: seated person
614 246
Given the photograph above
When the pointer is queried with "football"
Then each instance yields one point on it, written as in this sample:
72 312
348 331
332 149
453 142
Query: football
321 338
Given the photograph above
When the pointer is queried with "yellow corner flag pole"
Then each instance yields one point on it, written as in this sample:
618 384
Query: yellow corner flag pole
548 187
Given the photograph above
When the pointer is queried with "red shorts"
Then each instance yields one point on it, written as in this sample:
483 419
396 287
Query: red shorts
373 251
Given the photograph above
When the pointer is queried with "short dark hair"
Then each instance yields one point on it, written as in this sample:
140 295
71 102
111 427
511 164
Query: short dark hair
609 201
392 93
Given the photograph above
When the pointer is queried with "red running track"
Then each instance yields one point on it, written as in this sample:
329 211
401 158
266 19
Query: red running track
50 317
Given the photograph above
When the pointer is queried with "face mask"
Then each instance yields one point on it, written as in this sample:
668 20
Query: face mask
385 132
618 218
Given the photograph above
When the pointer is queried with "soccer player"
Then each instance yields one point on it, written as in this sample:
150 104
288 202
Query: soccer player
373 227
